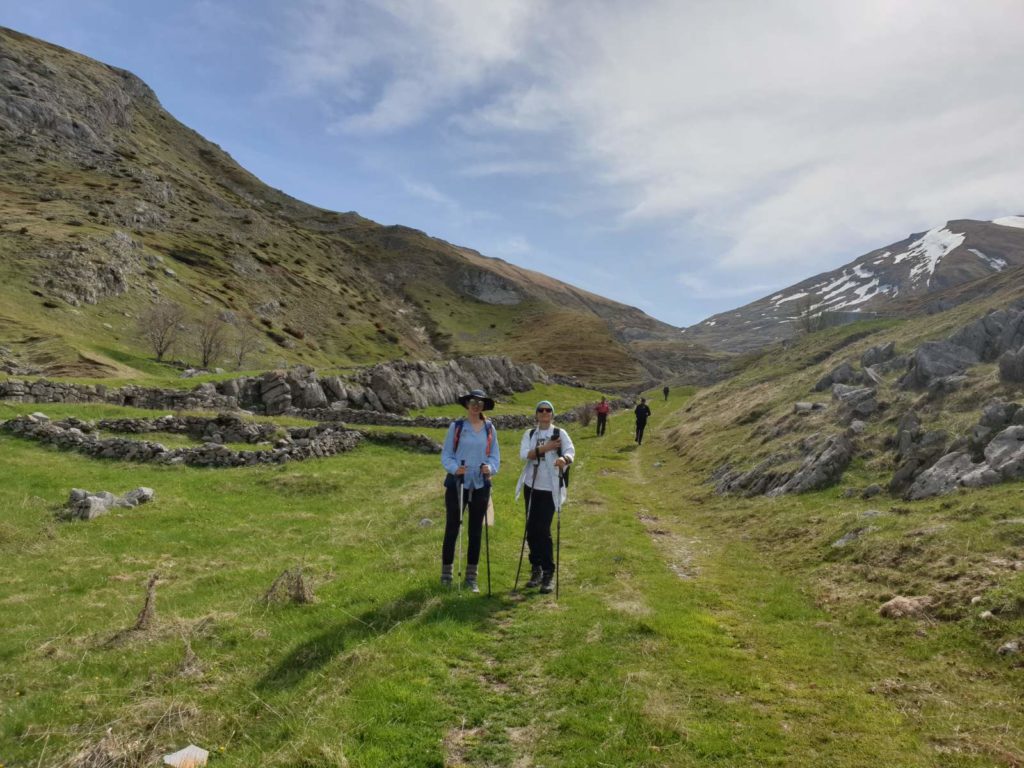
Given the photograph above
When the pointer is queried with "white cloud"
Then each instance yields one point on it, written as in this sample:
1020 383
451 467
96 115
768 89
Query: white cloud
794 132
507 168
388 64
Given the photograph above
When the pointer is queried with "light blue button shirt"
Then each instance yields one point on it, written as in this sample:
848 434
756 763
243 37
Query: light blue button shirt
472 452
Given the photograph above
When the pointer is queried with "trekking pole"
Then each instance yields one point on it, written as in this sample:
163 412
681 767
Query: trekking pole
526 525
487 547
558 531
462 519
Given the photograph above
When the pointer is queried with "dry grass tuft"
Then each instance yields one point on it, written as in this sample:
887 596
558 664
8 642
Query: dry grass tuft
291 586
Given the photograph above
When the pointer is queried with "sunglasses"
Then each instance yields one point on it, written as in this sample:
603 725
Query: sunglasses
543 410
474 401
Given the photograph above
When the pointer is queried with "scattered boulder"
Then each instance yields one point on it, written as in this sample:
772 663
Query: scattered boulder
879 354
855 401
873 376
1011 367
852 536
1011 648
140 495
843 373
1002 460
936 359
871 491
944 476
901 607
999 331
918 456
1005 453
84 505
756 481
945 385
821 469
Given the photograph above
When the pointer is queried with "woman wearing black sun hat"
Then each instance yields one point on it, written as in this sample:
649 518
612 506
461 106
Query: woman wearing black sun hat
471 458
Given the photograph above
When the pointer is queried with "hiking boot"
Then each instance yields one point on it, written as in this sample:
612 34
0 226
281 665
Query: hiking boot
446 574
535 577
547 583
470 582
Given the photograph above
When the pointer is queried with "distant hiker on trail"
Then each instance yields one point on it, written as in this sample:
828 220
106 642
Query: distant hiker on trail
642 412
471 458
548 452
664 391
602 409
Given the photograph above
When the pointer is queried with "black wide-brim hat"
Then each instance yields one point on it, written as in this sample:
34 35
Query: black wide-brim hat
477 394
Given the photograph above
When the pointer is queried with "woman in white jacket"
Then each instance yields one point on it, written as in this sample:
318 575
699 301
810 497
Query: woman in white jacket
548 451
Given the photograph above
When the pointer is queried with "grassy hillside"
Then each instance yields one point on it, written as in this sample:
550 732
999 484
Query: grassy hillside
108 204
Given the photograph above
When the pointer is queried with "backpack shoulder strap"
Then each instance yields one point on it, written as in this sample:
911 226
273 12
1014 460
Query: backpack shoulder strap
489 430
458 434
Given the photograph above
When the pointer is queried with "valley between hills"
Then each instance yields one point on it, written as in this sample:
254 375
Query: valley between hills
815 558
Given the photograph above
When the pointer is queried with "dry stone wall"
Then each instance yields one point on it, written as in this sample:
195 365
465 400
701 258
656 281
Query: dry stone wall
84 437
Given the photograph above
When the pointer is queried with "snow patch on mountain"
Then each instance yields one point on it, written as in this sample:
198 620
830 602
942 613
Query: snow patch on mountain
926 252
1010 221
995 262
794 297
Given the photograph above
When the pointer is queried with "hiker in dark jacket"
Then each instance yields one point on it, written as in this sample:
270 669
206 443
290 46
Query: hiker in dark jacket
548 451
642 412
471 457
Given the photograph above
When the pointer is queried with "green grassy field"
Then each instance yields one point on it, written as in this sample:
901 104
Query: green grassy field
691 630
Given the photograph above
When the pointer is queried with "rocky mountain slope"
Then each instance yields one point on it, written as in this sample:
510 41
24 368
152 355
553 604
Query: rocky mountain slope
912 408
108 204
925 273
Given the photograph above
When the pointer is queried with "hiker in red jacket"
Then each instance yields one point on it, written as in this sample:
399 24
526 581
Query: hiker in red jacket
602 410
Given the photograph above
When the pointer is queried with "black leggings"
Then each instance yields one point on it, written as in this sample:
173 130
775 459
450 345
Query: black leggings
640 427
602 421
477 498
540 506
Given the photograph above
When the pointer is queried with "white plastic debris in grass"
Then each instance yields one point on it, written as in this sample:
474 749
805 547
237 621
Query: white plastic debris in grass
189 757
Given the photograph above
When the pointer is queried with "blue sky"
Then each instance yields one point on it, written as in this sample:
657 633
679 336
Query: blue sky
682 156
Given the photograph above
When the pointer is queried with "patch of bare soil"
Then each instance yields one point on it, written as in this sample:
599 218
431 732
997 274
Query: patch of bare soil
457 743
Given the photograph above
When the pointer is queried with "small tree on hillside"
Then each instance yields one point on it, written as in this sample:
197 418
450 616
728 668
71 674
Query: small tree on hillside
210 331
811 317
159 326
247 340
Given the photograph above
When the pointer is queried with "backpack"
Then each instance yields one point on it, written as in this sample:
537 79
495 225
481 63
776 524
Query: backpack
458 433
554 436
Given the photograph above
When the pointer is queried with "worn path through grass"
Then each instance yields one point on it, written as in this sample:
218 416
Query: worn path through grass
670 645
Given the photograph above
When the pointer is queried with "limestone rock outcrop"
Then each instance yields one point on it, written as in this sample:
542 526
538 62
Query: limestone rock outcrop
393 387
